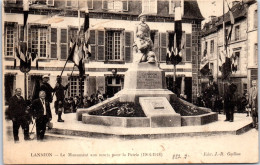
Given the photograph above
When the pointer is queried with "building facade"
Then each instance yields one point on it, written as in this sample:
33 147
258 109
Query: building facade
243 44
53 24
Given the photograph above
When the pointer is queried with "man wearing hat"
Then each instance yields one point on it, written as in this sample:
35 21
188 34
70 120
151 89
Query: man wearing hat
252 101
60 96
46 87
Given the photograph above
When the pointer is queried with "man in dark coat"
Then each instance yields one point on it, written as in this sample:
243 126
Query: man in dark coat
229 102
252 101
60 96
42 113
45 86
19 114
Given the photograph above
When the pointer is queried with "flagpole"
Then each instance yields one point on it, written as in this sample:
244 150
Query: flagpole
80 76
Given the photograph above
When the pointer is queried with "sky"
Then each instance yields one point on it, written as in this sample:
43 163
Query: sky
213 7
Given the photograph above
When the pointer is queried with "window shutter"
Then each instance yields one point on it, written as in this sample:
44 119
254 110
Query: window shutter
101 45
53 42
183 44
104 4
92 42
163 45
156 45
188 47
48 44
63 44
125 5
21 33
129 36
29 36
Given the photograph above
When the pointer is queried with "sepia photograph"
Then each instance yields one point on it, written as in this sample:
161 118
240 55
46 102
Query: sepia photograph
130 81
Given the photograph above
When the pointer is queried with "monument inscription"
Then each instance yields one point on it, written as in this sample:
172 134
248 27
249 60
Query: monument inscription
149 80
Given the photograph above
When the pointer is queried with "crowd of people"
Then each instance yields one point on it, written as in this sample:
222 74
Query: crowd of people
230 102
22 111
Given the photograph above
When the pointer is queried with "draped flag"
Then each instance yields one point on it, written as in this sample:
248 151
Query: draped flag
21 53
234 62
174 55
76 56
232 22
204 64
25 11
86 21
87 50
226 61
25 56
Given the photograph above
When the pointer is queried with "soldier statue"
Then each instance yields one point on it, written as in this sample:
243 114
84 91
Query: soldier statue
143 44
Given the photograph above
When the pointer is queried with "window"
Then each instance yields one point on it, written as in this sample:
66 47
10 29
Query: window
90 4
38 40
255 19
245 87
149 6
9 83
212 46
115 5
237 60
71 3
74 88
211 68
50 2
173 4
11 1
9 41
237 33
113 45
256 54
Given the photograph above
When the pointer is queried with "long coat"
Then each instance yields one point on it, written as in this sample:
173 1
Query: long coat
48 90
17 107
38 109
252 94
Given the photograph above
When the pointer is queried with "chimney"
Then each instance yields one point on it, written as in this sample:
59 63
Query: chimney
235 3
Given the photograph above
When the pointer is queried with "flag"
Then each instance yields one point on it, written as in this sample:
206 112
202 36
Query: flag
87 50
178 27
76 56
25 12
222 59
234 62
226 68
21 51
86 21
232 22
173 56
204 65
71 45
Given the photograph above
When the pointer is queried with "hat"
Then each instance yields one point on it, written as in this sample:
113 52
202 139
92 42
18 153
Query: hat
45 76
142 14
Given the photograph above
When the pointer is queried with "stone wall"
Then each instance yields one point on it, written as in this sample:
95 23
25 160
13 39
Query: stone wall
196 52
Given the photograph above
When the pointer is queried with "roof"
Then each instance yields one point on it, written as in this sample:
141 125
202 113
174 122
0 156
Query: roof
192 10
239 12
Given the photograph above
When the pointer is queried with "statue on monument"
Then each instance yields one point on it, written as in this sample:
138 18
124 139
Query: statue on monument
143 44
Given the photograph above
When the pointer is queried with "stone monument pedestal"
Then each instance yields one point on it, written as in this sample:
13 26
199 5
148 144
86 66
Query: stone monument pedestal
144 80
